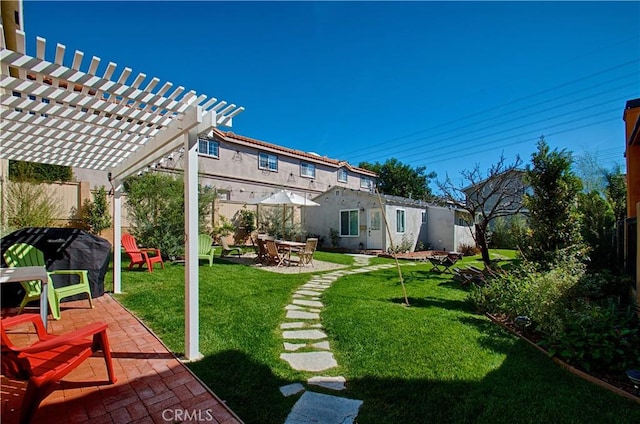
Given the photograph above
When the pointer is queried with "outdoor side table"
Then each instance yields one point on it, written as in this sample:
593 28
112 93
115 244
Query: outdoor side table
29 273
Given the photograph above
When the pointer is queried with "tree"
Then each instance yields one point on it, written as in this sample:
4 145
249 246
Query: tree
615 191
485 198
553 217
155 203
398 179
596 228
95 215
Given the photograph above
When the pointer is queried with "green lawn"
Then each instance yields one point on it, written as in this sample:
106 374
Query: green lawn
433 362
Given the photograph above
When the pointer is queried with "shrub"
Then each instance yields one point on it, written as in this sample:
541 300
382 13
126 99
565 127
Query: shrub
468 249
598 337
38 172
95 216
334 236
542 295
29 205
579 315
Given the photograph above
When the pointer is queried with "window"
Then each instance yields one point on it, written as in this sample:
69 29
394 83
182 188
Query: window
209 148
268 162
307 170
366 182
349 223
342 175
424 217
400 221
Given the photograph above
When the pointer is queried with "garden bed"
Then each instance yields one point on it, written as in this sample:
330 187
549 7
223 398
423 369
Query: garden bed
614 382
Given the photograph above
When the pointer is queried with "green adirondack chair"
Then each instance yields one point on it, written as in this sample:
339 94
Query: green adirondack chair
205 248
22 254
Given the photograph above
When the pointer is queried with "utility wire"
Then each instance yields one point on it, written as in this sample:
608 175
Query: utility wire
566 84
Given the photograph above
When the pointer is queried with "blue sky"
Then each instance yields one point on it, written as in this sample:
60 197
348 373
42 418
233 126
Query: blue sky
440 84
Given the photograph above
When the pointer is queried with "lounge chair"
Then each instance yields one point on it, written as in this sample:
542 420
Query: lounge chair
469 275
205 248
44 363
227 250
22 254
140 256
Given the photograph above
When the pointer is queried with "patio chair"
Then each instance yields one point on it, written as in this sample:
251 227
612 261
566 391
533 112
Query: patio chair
205 248
273 256
306 253
22 254
227 250
44 363
140 256
261 251
444 263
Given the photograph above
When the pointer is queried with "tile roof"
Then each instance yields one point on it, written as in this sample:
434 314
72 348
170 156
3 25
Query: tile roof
232 137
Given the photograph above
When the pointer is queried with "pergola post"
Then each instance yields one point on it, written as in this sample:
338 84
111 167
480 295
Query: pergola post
117 231
191 324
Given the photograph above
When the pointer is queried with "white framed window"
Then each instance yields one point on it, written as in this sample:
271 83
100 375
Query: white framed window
307 170
366 182
209 148
268 161
400 221
342 175
350 223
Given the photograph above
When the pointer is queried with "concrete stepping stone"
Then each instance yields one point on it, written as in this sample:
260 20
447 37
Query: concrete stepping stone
287 325
304 334
333 383
310 303
292 347
302 315
295 308
300 308
318 408
308 293
311 286
321 345
310 361
291 389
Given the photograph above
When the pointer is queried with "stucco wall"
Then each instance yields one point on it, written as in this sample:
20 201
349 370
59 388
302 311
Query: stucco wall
440 234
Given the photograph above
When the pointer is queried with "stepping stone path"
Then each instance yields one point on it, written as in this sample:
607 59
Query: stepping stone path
307 350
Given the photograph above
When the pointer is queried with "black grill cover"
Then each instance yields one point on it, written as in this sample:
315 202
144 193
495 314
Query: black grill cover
63 248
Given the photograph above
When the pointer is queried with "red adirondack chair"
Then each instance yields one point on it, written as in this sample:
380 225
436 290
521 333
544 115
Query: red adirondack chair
139 256
48 360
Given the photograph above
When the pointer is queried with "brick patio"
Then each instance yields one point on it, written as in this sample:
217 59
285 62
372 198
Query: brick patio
153 385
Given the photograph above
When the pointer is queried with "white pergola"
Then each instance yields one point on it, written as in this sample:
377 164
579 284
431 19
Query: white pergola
69 115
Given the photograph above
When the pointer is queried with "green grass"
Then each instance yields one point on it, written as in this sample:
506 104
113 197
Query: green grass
434 362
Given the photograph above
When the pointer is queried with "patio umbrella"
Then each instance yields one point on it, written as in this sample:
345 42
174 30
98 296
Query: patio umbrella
284 198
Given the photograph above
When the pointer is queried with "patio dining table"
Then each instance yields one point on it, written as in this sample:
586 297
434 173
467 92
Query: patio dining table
287 247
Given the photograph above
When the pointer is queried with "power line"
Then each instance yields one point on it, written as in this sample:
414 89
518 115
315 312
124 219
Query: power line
457 146
500 106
